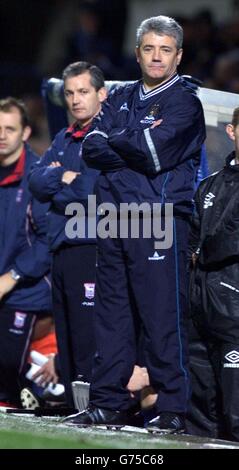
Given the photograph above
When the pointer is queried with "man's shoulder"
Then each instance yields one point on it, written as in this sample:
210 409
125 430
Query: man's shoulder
210 181
61 135
31 155
183 92
123 90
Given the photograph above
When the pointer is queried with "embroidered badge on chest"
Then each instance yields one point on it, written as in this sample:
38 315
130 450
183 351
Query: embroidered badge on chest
89 290
152 115
19 320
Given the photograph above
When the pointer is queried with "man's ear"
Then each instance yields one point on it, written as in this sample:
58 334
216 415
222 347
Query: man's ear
137 52
230 131
26 133
179 56
102 94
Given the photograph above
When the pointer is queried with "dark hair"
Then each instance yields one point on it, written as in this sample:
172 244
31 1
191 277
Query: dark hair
7 104
161 25
77 68
235 117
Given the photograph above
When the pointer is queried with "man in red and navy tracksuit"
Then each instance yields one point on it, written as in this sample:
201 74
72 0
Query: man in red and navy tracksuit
25 260
147 144
62 177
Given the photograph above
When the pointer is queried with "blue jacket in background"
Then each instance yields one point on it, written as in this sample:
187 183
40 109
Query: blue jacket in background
23 240
144 164
46 184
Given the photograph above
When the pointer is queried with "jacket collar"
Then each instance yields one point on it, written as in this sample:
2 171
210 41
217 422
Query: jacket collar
18 171
144 94
75 131
229 162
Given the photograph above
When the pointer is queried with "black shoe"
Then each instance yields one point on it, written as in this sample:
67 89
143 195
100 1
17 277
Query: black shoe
167 423
135 417
97 417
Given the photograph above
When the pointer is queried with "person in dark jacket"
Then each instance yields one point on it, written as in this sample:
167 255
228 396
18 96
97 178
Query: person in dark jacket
147 144
214 341
62 177
24 254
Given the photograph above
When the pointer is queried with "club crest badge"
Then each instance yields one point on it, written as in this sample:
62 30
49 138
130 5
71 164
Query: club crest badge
19 319
89 290
151 116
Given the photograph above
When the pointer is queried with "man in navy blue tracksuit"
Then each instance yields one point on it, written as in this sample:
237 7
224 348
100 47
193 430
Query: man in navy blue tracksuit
62 177
24 253
147 144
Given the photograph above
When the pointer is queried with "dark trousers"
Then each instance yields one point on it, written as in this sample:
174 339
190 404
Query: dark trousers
128 274
16 331
73 278
214 405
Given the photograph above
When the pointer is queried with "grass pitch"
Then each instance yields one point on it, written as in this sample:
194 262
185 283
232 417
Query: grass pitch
30 432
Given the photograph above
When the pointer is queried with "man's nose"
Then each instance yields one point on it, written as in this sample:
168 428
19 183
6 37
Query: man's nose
2 133
76 98
157 54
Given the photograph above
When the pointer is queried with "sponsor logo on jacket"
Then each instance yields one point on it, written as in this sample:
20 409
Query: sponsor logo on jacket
208 200
156 257
232 359
124 107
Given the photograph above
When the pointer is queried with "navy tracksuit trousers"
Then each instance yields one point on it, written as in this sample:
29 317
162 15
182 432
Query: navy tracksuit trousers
73 278
130 274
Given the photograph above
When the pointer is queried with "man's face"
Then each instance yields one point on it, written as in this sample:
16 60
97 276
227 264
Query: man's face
12 136
82 99
233 132
158 58
236 133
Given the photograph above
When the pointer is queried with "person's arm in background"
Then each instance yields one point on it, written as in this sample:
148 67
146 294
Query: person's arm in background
34 261
45 178
44 352
7 284
47 373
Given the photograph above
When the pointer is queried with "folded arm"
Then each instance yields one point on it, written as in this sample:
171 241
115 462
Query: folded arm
162 147
45 178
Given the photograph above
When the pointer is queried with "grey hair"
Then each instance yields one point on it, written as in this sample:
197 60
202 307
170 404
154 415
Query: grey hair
161 25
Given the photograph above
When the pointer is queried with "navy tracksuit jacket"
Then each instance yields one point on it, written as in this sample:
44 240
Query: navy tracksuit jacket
73 270
23 239
46 185
140 164
24 247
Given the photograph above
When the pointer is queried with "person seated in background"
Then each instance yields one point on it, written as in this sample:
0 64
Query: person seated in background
44 342
43 386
